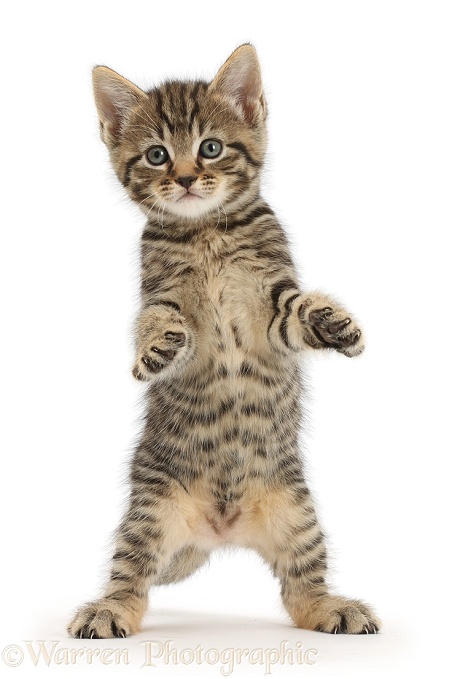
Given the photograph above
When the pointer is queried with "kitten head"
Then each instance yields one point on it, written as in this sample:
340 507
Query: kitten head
186 148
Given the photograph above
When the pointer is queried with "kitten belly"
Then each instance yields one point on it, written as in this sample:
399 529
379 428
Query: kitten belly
211 529
228 437
212 524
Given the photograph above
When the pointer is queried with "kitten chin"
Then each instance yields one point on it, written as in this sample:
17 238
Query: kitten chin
190 207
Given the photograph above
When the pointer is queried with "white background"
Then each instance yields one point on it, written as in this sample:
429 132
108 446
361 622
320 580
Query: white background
359 170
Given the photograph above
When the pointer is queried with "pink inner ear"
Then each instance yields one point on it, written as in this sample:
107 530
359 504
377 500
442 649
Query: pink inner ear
109 108
110 111
249 106
248 96
114 96
240 79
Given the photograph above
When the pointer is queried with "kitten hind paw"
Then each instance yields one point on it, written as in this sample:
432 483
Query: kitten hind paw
338 615
100 620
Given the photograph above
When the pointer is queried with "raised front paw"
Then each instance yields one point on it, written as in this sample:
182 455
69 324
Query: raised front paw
162 342
329 326
159 353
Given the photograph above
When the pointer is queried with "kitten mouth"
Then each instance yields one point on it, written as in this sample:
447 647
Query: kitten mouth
188 195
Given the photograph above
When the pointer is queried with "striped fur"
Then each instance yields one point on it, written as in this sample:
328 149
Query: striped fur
218 339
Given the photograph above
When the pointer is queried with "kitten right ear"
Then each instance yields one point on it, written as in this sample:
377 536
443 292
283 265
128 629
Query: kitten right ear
115 97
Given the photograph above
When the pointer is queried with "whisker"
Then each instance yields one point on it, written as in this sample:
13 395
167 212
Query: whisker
146 118
225 217
219 216
152 207
163 212
215 113
151 195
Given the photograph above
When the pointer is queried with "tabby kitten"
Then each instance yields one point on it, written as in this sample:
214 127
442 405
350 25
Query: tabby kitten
219 337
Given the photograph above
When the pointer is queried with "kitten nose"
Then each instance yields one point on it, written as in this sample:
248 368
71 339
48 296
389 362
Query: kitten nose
186 182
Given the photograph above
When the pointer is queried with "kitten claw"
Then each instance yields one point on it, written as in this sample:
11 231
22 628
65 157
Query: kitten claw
177 338
166 353
162 341
332 328
151 365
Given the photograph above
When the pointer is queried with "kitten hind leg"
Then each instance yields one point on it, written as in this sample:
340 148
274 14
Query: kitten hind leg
148 537
291 540
310 604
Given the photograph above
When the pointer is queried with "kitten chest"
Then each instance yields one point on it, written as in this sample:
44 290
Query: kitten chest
231 314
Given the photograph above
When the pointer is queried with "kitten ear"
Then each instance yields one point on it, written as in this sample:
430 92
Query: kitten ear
239 79
115 97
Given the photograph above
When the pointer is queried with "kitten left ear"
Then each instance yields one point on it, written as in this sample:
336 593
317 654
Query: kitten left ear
239 79
115 97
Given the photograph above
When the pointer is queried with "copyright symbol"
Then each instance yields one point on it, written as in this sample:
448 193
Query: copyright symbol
12 655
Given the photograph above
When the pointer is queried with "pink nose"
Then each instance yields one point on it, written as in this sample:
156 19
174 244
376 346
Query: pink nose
186 182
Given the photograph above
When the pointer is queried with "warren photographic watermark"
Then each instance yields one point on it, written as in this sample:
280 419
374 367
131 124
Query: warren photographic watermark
227 659
150 655
48 653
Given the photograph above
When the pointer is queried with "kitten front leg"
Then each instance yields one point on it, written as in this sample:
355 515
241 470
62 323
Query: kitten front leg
313 321
164 342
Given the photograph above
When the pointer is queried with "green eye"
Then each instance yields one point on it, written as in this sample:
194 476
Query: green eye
157 155
210 148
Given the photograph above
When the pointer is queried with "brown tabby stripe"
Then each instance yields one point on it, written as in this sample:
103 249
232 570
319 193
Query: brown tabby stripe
239 146
128 168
